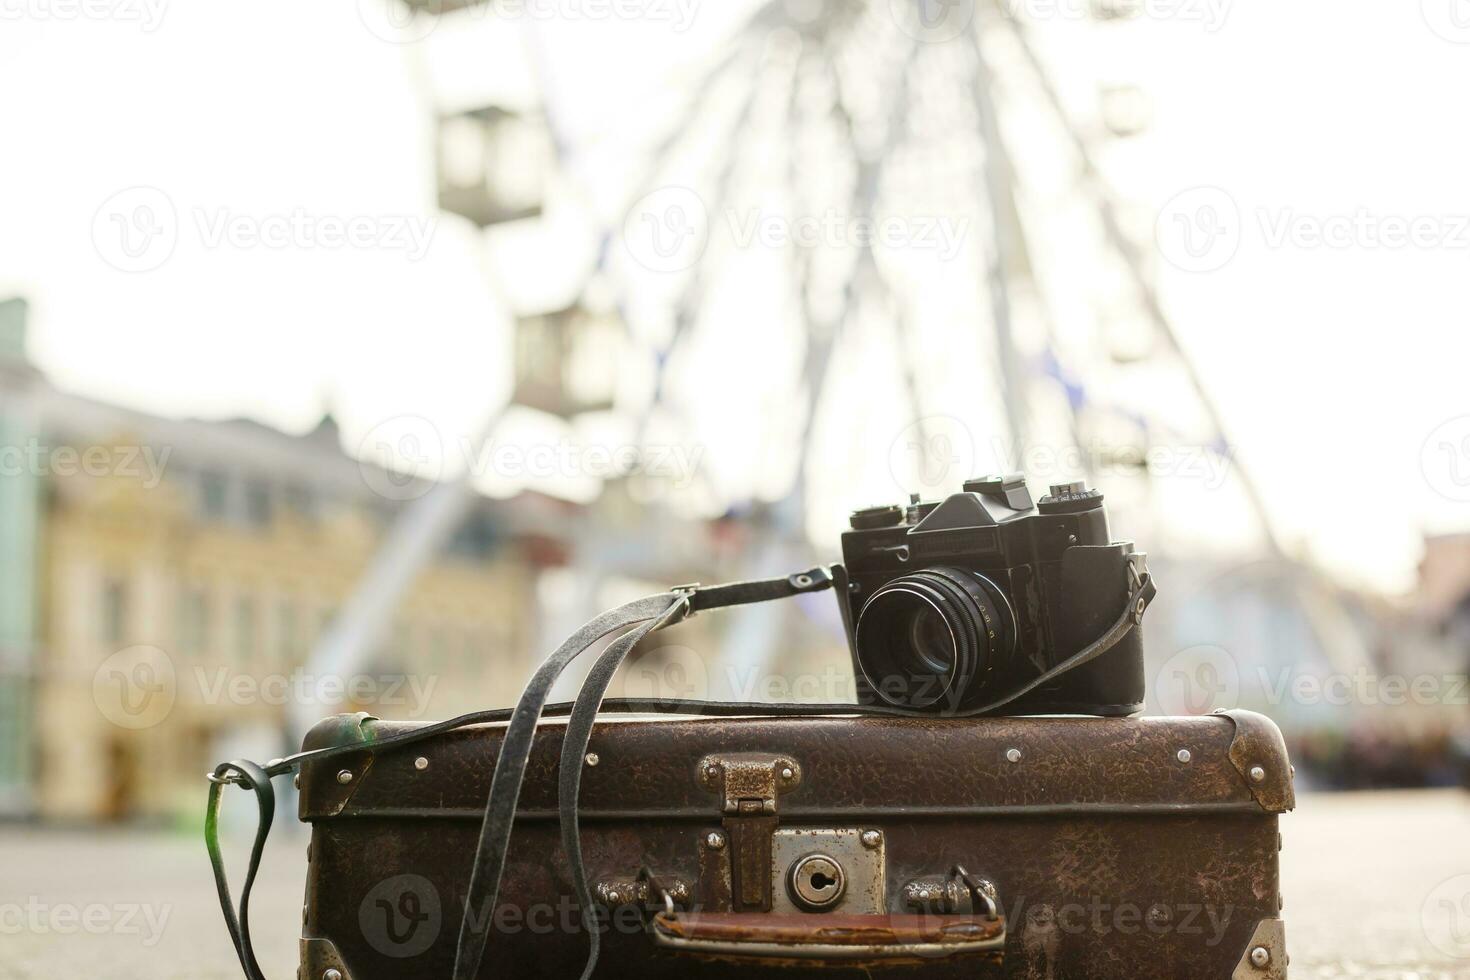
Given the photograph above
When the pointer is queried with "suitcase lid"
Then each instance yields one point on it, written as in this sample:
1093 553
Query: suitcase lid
651 768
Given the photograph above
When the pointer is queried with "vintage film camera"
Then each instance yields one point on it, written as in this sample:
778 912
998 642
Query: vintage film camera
955 604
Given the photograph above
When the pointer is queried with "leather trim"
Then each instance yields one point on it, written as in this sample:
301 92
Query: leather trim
1258 744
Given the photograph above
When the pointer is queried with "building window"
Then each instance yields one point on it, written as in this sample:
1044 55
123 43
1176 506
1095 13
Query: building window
194 622
299 500
213 494
289 627
258 503
324 624
114 612
399 643
475 538
245 632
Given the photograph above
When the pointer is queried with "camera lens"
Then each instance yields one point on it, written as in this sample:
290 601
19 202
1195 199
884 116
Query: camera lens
929 636
933 635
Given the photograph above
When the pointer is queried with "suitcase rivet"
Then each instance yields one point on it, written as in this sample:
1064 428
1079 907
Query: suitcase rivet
1257 774
788 774
871 839
1013 755
344 777
332 974
1260 956
1184 755
715 840
421 763
592 759
712 772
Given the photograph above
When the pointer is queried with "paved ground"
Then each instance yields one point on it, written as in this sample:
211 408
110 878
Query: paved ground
1374 883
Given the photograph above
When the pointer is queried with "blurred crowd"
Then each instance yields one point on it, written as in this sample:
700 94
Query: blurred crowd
1381 756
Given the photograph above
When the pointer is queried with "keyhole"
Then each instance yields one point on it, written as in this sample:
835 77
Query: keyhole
816 882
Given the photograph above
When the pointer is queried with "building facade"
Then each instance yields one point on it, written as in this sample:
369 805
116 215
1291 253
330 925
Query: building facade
166 580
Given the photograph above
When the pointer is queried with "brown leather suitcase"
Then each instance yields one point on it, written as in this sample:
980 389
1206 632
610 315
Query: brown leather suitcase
1036 848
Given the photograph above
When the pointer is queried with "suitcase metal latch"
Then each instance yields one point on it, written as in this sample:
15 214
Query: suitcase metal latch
749 783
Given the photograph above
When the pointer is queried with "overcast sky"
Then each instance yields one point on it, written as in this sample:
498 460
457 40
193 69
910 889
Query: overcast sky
1316 151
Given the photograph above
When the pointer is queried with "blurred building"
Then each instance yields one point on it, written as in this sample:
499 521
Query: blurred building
1443 596
165 579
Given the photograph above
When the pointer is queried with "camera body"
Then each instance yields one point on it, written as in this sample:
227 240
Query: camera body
952 604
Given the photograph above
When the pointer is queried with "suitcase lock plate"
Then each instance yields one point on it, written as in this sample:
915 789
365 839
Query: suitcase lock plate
749 783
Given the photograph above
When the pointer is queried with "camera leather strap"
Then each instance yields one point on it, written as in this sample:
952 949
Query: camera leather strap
638 618
653 613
